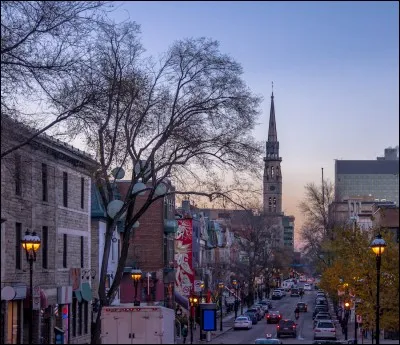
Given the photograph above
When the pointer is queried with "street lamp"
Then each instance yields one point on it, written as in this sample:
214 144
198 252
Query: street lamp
31 244
378 247
221 289
202 285
136 274
235 284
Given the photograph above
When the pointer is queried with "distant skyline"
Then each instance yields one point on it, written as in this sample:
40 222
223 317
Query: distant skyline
335 68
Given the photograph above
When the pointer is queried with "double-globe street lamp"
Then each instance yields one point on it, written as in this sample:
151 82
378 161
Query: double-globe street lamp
31 244
378 247
136 274
221 290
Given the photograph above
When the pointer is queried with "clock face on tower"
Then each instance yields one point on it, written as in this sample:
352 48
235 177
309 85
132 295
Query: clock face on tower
272 188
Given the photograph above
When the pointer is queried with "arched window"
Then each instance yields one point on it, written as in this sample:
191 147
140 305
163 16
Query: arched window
274 201
272 171
270 201
267 172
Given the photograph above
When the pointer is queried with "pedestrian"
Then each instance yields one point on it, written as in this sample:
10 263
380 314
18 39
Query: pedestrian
184 333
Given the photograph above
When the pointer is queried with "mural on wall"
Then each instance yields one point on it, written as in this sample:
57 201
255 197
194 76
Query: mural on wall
184 277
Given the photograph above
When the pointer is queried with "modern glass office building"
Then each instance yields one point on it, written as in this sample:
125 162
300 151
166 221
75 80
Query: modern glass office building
378 179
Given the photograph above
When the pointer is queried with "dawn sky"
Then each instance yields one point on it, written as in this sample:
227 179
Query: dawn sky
335 67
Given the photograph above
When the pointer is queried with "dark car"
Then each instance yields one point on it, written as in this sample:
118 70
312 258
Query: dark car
294 292
273 316
253 317
286 327
255 311
267 304
302 306
319 308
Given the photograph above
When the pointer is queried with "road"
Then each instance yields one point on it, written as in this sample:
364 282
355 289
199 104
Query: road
286 307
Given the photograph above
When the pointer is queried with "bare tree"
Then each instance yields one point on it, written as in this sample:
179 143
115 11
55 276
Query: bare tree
44 46
256 251
178 119
317 227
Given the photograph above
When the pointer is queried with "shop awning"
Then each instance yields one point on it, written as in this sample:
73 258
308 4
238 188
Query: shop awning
86 292
78 295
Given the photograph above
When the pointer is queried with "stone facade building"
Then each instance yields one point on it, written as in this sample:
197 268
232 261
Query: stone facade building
45 187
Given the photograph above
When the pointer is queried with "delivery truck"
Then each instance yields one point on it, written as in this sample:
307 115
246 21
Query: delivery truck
129 324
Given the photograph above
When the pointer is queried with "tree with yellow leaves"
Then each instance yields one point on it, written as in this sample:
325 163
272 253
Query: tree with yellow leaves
352 273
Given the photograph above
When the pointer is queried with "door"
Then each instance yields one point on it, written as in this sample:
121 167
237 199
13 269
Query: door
139 325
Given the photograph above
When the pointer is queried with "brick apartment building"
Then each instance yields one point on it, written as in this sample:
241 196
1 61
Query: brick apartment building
152 251
45 187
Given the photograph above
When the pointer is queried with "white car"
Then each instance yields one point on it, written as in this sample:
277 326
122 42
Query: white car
242 322
307 287
325 329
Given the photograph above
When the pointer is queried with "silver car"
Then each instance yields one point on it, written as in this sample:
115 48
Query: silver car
242 322
325 329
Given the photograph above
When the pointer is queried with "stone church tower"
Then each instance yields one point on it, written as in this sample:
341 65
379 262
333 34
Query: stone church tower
272 170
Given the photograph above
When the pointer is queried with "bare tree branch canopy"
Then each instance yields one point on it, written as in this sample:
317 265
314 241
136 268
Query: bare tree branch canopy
44 47
179 119
315 210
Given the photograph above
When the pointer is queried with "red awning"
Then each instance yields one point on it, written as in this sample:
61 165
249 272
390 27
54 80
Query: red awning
44 303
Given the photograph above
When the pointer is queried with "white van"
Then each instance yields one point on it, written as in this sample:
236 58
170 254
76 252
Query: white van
307 287
287 284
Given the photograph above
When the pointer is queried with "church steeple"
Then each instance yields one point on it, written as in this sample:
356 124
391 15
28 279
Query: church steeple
272 135
272 170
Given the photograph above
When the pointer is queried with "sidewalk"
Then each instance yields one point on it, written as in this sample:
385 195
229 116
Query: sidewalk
227 324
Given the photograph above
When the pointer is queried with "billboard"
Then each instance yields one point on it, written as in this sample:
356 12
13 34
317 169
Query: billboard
184 277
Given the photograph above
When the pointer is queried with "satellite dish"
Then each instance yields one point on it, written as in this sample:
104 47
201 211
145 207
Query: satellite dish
118 173
138 188
114 207
161 189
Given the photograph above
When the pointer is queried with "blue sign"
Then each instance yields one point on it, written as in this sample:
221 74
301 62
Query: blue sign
209 320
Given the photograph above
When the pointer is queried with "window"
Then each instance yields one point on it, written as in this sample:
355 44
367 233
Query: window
272 171
82 252
80 320
65 189
82 193
65 251
45 243
270 201
274 201
86 318
74 303
44 182
18 238
18 175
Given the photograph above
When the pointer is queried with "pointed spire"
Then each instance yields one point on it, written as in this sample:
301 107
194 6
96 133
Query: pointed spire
272 134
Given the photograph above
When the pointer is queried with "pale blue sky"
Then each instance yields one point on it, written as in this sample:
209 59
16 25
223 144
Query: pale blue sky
335 67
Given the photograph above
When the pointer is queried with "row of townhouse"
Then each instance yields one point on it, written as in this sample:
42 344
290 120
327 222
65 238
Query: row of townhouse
46 187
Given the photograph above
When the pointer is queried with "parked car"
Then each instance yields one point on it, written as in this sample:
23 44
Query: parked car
257 311
267 341
321 301
242 322
282 290
264 308
307 287
277 294
273 316
325 330
320 317
302 306
265 304
319 308
294 292
286 327
253 317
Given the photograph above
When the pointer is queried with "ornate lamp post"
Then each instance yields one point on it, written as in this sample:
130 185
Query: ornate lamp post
136 274
221 289
31 244
378 247
235 284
